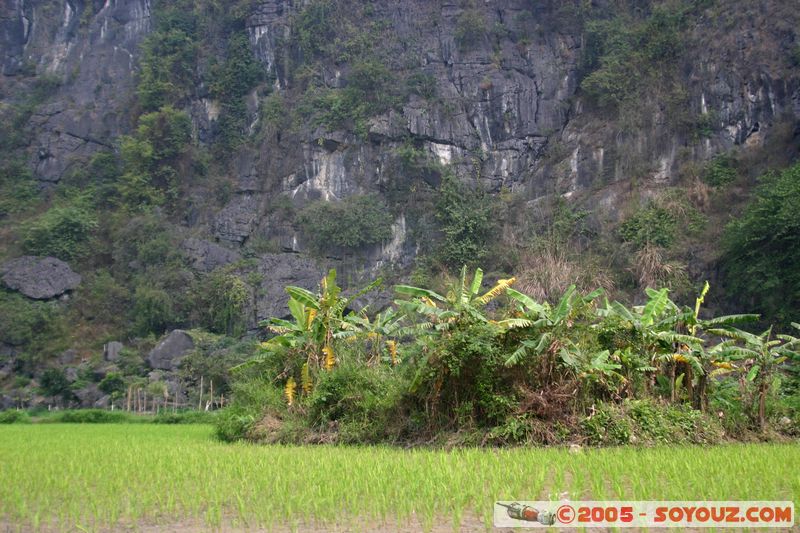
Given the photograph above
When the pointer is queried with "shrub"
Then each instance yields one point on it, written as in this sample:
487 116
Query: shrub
622 54
153 310
186 417
150 158
253 398
167 68
360 400
720 171
652 225
13 416
762 248
644 422
113 384
17 188
22 320
54 383
353 223
101 296
607 426
466 221
91 416
64 232
222 298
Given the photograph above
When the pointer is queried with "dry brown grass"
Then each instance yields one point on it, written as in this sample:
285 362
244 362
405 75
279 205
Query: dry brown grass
652 270
546 274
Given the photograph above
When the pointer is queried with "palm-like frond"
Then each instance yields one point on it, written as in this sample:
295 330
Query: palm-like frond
495 291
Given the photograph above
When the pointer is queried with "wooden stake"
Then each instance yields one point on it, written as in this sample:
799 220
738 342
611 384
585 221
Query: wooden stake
200 401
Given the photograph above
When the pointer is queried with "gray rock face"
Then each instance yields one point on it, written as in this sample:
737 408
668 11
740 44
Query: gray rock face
207 256
237 220
88 395
71 374
277 271
91 47
168 353
39 278
112 350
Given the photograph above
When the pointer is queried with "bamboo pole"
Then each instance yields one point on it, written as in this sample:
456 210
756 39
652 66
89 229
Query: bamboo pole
200 401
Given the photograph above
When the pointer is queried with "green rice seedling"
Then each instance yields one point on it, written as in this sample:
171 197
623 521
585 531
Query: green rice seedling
125 476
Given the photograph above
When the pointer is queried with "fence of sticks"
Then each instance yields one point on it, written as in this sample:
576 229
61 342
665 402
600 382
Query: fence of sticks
144 400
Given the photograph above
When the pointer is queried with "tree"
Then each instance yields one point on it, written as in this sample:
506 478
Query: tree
762 248
151 157
306 344
763 354
465 216
54 383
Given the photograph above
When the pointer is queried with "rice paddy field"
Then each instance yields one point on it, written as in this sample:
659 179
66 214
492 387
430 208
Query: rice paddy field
61 477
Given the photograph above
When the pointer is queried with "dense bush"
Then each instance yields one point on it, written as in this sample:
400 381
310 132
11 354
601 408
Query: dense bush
465 216
13 416
649 225
17 187
63 231
352 223
221 299
54 383
453 368
167 68
720 171
91 416
151 157
231 80
762 248
22 320
644 422
361 402
153 310
253 399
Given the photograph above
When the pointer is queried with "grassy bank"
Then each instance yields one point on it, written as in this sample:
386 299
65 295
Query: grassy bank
115 476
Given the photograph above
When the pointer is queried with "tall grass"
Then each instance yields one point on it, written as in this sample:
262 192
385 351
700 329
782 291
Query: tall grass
94 477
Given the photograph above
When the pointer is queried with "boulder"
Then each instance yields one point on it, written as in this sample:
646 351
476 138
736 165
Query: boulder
103 403
68 357
39 278
170 350
71 374
88 395
112 350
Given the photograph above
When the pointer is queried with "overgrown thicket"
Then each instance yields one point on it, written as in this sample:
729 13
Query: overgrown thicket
477 366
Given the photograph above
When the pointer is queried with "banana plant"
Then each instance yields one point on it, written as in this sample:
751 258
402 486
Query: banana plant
464 302
380 332
546 326
307 339
707 363
657 325
598 369
762 355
